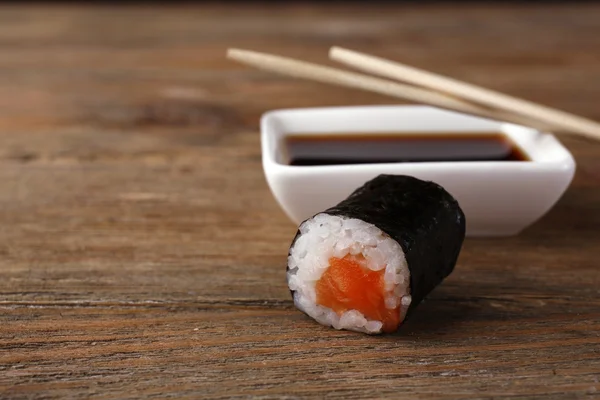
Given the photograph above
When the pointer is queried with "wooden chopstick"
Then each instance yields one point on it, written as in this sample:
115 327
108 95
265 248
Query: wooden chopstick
561 120
324 74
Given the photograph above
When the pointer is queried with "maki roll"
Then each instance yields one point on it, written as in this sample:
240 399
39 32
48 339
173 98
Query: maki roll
366 263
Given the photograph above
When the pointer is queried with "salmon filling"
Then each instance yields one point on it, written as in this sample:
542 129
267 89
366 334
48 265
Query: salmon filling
347 285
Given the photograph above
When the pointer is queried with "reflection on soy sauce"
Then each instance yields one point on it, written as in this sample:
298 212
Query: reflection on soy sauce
371 148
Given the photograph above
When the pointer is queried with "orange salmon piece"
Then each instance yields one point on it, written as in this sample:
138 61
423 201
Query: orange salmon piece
347 285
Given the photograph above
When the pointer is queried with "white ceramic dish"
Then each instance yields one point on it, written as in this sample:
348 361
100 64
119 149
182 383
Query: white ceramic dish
498 198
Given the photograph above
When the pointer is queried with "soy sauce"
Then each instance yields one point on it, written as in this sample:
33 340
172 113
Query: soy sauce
367 148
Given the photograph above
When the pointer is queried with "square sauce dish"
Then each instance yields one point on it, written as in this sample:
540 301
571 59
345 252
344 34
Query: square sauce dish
504 176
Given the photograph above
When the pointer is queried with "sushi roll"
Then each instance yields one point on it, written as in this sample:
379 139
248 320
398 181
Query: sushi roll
366 263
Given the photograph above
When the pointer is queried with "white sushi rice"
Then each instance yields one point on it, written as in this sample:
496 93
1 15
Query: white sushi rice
325 236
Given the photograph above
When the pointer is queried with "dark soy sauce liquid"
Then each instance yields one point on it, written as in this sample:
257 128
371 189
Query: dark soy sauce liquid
368 148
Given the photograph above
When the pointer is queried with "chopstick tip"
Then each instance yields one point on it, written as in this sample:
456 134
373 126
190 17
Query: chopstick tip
336 50
232 52
333 50
243 55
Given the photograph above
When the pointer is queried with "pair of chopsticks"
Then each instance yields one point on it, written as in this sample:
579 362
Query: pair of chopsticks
422 87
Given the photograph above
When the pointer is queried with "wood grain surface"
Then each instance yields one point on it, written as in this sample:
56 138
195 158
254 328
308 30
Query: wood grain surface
142 255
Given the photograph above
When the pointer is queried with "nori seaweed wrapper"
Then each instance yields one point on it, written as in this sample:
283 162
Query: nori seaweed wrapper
421 216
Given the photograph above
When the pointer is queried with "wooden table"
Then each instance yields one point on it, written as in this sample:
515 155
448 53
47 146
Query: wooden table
142 254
